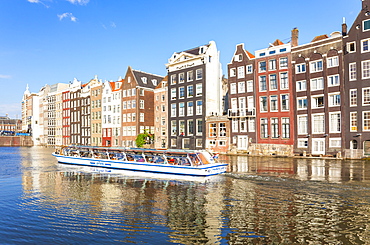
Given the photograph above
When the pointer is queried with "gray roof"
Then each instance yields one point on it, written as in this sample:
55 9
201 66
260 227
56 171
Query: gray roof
141 77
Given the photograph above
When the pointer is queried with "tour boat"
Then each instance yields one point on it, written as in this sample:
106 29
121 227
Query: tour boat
179 162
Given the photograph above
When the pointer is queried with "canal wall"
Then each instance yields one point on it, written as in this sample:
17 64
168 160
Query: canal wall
16 141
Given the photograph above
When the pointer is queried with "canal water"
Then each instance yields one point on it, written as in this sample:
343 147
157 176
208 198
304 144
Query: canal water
259 201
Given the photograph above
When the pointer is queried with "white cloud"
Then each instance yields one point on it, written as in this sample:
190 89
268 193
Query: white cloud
67 15
4 76
13 110
80 2
113 25
34 1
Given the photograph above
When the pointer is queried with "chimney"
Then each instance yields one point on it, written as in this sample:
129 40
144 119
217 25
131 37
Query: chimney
344 28
364 5
294 40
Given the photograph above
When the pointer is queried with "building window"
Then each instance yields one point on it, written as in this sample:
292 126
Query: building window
302 124
335 122
173 128
181 77
241 87
142 117
199 143
353 97
249 69
141 104
212 130
333 80
190 76
274 103
366 96
316 66
365 45
284 83
352 71
181 92
173 110
181 127
335 142
300 68
285 130
317 84
334 99
199 107
275 128
272 65
263 103
199 73
173 94
366 120
252 124
243 124
263 85
222 127
284 102
284 63
190 127
351 47
318 126
317 101
273 82
353 121
181 109
232 88
232 72
199 89
190 108
301 85
199 127
241 72
302 143
332 61
264 128
366 25
365 69
301 103
234 125
250 86
173 79
262 66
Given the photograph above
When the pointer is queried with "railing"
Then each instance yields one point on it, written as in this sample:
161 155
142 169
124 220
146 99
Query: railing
244 112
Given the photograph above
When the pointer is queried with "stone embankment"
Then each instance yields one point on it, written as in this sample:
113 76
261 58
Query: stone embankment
16 141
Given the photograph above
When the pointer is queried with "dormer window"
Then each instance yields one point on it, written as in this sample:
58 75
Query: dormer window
154 81
201 50
144 80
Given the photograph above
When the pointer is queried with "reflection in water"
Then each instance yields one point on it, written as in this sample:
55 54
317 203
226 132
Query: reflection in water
260 201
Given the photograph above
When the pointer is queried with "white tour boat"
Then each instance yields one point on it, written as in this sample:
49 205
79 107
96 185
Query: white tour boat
180 162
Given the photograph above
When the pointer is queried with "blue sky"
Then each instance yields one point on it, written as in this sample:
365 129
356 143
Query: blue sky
50 41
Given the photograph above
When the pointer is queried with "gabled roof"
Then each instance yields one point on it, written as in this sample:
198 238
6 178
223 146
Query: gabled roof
147 80
318 38
250 55
163 83
277 43
195 51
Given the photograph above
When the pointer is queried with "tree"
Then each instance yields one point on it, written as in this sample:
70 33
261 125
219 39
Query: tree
144 138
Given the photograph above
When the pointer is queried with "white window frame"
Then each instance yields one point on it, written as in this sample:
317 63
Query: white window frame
283 63
284 80
352 71
318 129
287 106
334 126
314 101
300 103
232 72
249 69
250 86
301 85
366 99
315 67
353 96
349 47
300 68
367 45
317 83
335 142
333 80
233 88
332 61
274 102
334 99
365 69
365 128
302 123
353 121
302 143
241 73
241 87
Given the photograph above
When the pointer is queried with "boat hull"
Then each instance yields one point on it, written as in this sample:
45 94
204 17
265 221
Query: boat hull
202 170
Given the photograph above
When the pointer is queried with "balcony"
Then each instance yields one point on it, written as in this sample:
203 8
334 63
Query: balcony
245 112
